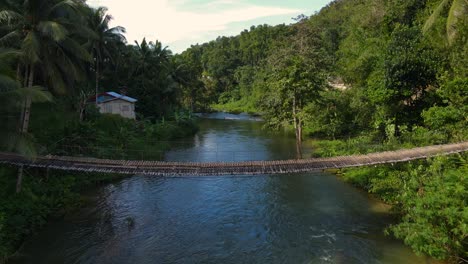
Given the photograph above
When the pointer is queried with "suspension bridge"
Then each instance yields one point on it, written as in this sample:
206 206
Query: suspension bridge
165 168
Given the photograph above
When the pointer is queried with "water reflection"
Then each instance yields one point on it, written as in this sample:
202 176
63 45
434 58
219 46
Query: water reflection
228 140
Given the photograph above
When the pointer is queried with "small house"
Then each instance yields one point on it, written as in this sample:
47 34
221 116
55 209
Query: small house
115 103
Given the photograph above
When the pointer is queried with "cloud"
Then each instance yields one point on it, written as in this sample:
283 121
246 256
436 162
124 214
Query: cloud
172 21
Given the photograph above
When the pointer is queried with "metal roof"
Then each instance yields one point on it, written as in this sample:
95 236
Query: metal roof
102 98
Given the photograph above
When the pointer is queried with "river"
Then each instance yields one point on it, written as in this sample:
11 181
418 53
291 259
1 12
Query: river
297 218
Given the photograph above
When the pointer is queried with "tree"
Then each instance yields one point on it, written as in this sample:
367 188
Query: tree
105 39
49 52
297 77
449 117
188 73
410 69
153 80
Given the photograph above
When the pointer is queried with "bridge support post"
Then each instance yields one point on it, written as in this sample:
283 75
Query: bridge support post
19 180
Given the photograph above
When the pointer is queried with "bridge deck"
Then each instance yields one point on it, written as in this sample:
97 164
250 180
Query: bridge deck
164 168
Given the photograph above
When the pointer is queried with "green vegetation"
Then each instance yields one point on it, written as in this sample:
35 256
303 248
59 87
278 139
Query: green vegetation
361 76
393 58
430 197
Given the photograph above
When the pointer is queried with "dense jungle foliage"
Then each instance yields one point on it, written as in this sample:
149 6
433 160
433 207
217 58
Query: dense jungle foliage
361 75
357 66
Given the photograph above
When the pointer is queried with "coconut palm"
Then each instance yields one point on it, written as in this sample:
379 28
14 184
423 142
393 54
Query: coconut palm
105 39
144 54
162 54
47 37
458 11
12 98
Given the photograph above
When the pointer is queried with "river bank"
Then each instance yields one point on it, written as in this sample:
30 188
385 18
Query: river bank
236 107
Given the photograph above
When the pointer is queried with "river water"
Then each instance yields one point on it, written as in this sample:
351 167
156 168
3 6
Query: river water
297 218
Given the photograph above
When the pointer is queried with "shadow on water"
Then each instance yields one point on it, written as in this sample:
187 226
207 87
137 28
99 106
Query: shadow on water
297 218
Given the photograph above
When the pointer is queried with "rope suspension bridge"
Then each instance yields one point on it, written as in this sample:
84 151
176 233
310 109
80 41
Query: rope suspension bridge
166 168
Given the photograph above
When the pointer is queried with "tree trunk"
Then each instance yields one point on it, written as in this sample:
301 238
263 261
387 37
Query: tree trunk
397 126
298 130
26 74
298 149
192 100
299 139
18 72
82 110
19 179
26 113
27 104
97 81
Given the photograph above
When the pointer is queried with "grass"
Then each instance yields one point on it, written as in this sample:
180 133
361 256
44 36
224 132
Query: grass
241 106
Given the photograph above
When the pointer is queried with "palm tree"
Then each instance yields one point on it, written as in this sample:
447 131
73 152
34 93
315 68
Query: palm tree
47 37
163 55
12 99
144 52
104 40
12 96
458 11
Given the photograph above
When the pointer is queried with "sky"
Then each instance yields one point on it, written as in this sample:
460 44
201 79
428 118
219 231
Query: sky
181 23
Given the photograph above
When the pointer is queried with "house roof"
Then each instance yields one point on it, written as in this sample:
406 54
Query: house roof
110 96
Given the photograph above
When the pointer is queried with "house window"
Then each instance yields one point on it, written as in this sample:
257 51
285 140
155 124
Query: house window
125 108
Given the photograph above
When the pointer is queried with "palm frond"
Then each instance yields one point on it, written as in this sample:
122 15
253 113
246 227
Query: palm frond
6 55
31 46
55 78
76 49
105 20
20 143
64 4
37 94
119 30
100 12
7 84
8 16
52 29
10 39
435 15
458 11
83 31
68 65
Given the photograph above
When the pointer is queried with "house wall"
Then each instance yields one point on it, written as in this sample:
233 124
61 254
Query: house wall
118 107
